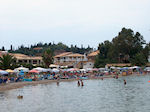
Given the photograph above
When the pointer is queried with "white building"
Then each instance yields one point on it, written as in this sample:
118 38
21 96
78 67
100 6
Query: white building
76 60
69 57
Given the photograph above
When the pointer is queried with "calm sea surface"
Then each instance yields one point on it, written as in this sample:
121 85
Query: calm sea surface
109 95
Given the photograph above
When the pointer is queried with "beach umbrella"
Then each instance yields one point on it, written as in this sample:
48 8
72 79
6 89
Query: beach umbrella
73 69
3 73
34 71
54 66
40 69
9 71
55 70
22 68
147 69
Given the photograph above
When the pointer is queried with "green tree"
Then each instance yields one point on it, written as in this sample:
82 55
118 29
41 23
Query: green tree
127 44
6 61
146 51
47 57
139 60
102 57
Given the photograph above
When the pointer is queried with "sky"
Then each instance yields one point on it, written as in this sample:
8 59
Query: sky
77 22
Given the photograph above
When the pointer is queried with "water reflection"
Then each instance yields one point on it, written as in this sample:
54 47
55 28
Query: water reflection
108 95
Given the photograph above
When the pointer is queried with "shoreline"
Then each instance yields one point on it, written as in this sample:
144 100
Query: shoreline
16 85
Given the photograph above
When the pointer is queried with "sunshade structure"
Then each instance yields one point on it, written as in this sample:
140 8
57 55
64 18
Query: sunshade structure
9 71
40 69
124 68
73 69
134 67
22 68
34 71
147 69
3 73
54 66
55 70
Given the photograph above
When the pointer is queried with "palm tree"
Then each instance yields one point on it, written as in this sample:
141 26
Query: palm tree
48 57
6 61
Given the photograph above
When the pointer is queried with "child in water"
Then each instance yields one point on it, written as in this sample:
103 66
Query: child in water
125 82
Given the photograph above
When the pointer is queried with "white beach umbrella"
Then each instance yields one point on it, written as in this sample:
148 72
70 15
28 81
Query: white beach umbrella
40 69
55 70
21 68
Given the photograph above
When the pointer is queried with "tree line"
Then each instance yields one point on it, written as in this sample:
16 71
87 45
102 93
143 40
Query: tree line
126 47
54 47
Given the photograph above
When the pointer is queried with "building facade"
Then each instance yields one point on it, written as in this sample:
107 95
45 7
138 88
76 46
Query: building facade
76 60
25 59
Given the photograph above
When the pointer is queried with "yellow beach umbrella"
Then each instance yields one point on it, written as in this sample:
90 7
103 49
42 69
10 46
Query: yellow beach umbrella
10 71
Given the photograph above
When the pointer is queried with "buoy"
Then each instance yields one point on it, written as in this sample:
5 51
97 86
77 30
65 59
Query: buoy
148 81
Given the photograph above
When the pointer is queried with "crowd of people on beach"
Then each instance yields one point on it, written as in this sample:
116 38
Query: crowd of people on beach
73 73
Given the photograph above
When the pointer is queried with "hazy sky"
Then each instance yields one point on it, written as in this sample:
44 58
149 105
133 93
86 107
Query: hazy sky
86 22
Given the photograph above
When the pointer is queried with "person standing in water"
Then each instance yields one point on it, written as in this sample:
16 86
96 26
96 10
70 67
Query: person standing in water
78 83
82 83
125 82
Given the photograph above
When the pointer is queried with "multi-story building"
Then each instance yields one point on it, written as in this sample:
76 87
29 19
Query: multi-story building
70 59
25 59
76 60
91 59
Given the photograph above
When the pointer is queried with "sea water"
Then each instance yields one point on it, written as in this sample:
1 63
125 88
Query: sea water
108 95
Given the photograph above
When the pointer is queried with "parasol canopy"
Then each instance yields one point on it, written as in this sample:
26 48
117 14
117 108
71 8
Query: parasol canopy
40 69
9 71
34 71
3 73
21 68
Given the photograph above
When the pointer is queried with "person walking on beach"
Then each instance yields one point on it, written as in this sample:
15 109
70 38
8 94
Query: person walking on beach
125 82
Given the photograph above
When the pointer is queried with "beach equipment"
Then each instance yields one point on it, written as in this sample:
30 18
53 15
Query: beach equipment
40 69
34 71
9 71
147 69
55 70
73 69
21 68
3 73
54 66
134 67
